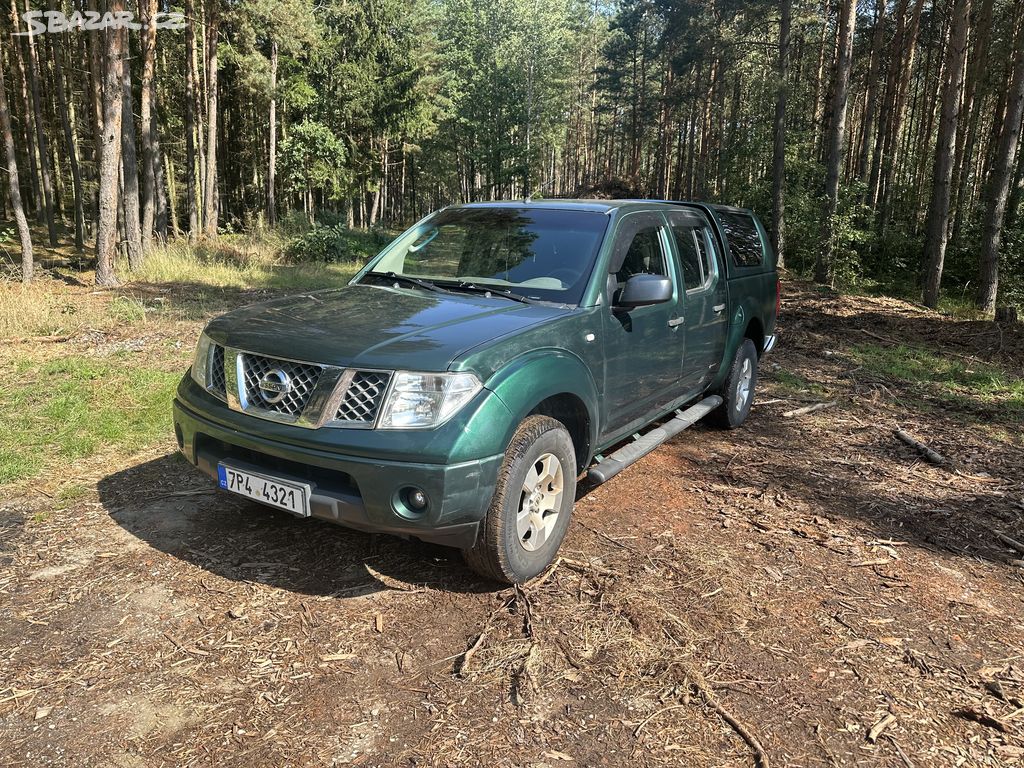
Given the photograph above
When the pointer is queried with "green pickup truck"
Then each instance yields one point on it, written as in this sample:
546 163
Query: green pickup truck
465 379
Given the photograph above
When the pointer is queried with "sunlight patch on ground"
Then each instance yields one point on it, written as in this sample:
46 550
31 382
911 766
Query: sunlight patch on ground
65 410
953 381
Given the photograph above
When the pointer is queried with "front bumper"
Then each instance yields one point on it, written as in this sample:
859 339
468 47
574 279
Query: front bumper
355 491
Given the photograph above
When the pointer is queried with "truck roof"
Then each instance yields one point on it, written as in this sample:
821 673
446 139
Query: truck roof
600 206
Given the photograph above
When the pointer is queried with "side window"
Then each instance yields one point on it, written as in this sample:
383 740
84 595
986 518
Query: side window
744 239
644 256
690 246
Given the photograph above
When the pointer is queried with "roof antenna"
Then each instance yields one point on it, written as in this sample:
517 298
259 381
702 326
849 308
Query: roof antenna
541 188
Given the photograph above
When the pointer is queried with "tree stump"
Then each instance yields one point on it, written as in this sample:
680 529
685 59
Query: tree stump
1006 314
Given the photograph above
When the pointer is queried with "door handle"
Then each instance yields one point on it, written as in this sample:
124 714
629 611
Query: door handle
719 308
675 321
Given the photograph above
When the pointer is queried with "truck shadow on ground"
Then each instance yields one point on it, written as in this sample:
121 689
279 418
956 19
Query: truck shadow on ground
169 506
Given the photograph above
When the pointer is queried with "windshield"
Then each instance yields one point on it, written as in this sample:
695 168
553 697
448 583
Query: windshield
543 254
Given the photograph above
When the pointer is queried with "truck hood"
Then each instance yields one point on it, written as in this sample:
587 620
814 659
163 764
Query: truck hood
372 326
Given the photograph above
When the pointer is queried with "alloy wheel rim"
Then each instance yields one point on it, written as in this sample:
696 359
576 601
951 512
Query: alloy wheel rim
540 502
743 386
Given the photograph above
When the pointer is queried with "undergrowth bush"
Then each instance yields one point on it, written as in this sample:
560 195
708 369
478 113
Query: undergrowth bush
335 244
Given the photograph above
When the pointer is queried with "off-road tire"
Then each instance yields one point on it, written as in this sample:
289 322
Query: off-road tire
737 399
498 553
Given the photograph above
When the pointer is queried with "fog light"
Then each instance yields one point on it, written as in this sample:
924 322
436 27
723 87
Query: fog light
416 499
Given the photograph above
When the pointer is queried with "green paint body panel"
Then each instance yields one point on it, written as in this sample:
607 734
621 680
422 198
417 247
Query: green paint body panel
616 370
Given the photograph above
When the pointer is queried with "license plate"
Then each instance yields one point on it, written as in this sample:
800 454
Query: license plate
274 492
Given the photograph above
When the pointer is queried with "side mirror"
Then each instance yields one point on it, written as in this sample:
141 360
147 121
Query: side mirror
643 290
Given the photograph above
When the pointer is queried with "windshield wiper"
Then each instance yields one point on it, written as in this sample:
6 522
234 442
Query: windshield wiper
418 282
462 285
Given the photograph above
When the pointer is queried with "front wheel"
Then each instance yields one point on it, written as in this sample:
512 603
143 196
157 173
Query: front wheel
738 390
532 504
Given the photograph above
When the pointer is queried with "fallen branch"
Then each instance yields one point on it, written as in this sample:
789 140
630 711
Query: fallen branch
983 718
929 455
462 664
881 725
646 720
899 751
1010 542
808 409
55 339
745 733
580 565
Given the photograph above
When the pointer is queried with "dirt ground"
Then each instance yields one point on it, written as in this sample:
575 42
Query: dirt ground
804 591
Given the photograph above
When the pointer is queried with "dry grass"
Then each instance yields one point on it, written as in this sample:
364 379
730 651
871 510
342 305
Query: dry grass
238 262
56 304
49 307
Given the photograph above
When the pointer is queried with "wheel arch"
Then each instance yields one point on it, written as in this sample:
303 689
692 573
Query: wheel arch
571 411
552 383
755 332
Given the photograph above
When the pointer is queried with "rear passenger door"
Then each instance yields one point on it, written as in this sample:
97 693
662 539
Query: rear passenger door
644 345
705 303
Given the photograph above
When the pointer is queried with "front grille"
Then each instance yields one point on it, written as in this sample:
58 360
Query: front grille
363 397
218 382
302 377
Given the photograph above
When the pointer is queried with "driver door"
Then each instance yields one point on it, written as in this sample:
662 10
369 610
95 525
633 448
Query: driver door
643 346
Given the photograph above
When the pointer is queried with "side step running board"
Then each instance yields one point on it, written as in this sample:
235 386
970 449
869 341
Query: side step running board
611 465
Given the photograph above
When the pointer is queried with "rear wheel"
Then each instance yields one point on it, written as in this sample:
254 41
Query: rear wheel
738 390
532 504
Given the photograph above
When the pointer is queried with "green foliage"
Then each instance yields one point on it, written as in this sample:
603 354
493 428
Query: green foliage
335 244
312 157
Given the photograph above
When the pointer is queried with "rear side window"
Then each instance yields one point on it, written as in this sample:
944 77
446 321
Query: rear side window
744 239
689 255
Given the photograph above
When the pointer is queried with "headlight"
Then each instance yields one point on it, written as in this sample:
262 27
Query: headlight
201 363
426 399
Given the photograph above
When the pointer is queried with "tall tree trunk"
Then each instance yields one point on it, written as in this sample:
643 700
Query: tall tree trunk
14 190
272 158
129 171
904 55
25 122
779 152
159 181
191 83
871 97
937 226
997 190
172 193
974 95
825 262
147 17
96 72
70 140
1016 194
45 168
110 150
210 190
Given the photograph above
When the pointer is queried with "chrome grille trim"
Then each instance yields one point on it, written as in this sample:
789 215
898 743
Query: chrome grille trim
360 403
328 395
216 381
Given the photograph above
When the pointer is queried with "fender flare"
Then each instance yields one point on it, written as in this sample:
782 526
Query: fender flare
528 380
